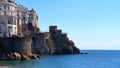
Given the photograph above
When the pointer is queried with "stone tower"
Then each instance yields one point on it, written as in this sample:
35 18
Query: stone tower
33 21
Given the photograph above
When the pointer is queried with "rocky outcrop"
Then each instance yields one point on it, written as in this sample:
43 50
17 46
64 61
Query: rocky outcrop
18 56
53 42
42 44
62 43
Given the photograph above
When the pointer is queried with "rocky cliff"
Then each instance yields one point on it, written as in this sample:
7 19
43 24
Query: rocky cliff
42 44
53 42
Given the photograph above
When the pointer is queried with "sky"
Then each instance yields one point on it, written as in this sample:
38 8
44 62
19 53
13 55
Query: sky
91 24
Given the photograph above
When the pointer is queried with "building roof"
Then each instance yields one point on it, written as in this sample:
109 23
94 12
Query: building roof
32 11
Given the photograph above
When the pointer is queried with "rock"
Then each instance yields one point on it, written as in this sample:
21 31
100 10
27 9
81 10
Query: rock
62 43
24 57
69 50
42 44
17 56
33 56
50 43
11 56
58 51
66 48
86 53
53 42
81 53
76 50
38 56
3 57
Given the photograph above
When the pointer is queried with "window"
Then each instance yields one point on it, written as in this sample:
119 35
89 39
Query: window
5 7
9 7
10 20
10 29
2 22
14 21
23 18
4 12
0 8
18 20
0 29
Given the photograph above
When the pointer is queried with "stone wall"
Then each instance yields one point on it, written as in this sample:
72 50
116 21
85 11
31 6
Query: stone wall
20 45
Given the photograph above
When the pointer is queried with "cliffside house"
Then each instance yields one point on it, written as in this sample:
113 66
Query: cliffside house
13 17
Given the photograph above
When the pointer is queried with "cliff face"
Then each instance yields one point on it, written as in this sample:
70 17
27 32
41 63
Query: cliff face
42 44
61 42
53 42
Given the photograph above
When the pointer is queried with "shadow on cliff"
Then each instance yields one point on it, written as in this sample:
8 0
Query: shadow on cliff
1 46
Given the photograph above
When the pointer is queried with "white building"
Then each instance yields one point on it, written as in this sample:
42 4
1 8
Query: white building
12 16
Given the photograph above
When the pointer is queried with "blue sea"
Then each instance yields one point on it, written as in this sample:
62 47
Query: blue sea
94 59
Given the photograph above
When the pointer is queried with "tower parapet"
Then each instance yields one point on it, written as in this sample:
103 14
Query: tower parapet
52 28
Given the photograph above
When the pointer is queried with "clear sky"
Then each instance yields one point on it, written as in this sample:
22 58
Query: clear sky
91 24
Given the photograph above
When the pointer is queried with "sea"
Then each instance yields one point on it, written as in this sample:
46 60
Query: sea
94 59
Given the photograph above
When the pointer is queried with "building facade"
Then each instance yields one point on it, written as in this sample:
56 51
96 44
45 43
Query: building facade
16 19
